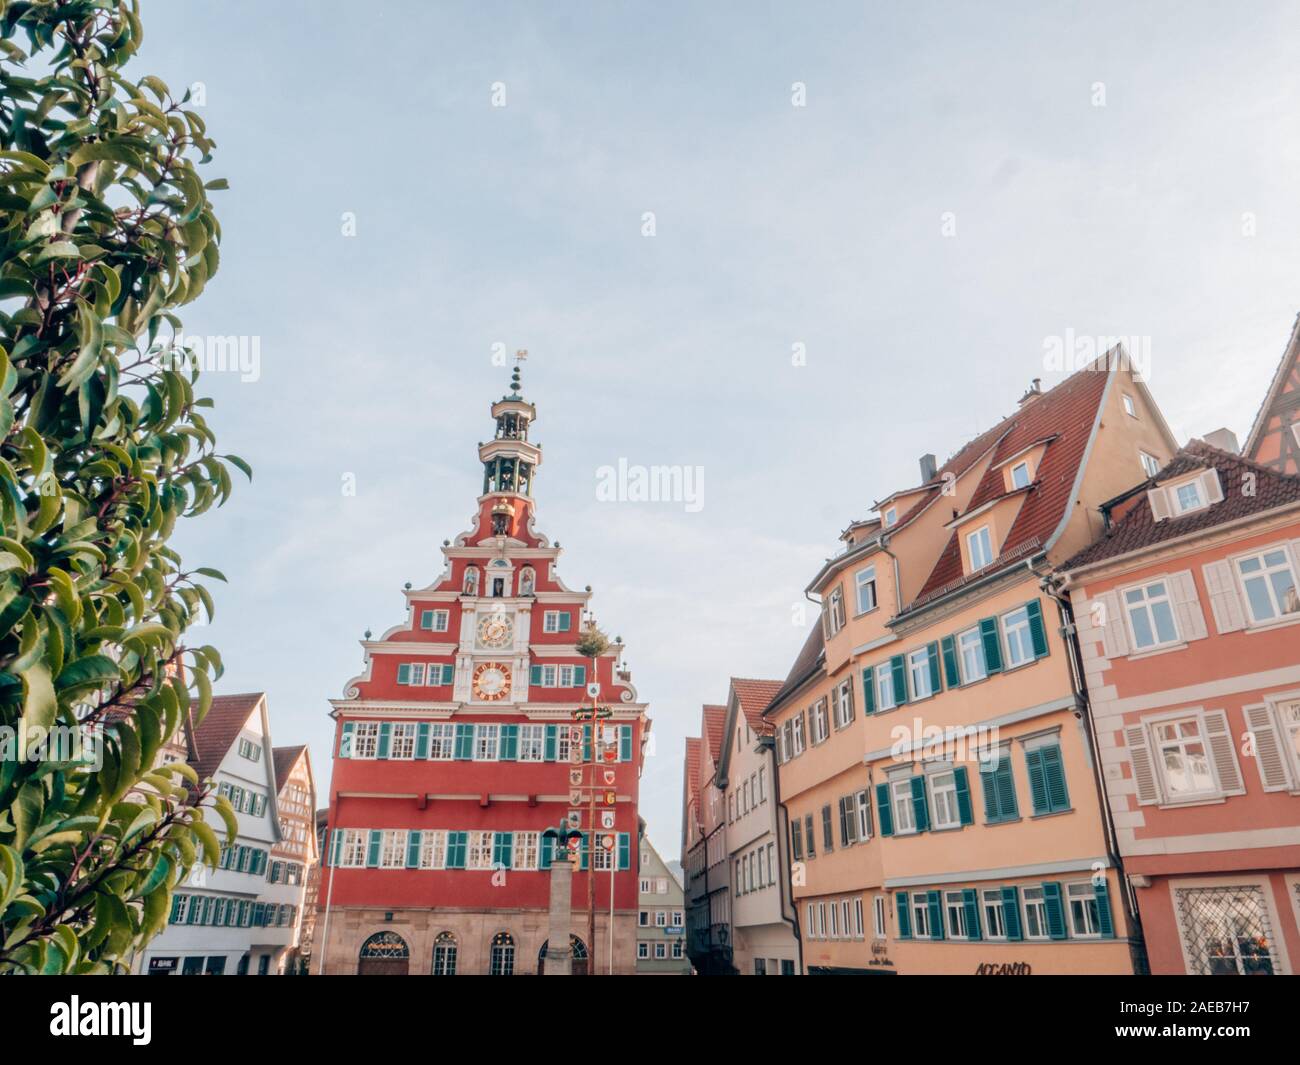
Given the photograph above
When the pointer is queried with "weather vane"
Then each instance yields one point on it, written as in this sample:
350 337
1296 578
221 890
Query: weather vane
521 355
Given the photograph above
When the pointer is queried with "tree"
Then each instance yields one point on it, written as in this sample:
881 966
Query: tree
105 229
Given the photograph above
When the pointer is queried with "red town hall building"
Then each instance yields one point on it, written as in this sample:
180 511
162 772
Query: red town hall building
457 748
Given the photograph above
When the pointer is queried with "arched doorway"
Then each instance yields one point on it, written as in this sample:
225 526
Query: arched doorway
502 959
580 962
384 954
444 955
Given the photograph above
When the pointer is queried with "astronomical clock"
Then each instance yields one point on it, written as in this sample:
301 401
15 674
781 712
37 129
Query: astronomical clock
491 681
496 629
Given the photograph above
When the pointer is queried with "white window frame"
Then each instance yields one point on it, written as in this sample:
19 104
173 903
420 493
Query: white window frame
885 688
900 799
532 743
1264 572
1016 481
487 743
401 740
525 849
1150 464
392 849
1083 891
1038 906
479 850
1148 605
994 914
416 678
1020 632
956 929
1159 747
843 703
981 538
924 673
970 655
1130 408
865 581
879 926
352 851
920 903
1176 503
943 799
642 950
442 741
891 517
819 719
365 737
862 811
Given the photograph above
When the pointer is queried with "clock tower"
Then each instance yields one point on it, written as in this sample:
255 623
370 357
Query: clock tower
465 737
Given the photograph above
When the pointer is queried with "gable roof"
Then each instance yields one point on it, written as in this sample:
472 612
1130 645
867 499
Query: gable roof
693 768
753 697
1064 417
1290 356
1137 528
715 718
211 740
806 663
285 757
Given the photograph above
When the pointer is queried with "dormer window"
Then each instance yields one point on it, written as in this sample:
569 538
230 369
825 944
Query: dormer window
1150 464
1020 475
1188 497
891 516
1185 497
979 548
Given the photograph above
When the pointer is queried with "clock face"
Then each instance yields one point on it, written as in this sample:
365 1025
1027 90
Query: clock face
496 629
491 681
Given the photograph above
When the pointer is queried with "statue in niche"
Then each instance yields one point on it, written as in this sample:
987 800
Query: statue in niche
526 581
471 580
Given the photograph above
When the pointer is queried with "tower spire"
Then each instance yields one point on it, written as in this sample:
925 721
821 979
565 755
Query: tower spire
510 459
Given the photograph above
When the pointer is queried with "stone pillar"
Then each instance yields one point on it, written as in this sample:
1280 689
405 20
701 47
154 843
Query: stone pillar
559 952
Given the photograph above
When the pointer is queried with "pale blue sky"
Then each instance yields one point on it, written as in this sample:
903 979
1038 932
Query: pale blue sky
776 225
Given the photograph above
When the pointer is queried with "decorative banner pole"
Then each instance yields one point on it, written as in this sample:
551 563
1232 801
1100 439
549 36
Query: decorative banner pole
592 645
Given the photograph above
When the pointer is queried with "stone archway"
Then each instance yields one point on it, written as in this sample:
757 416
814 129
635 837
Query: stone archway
384 954
581 963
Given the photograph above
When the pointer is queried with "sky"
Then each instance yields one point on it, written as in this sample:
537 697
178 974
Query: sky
789 247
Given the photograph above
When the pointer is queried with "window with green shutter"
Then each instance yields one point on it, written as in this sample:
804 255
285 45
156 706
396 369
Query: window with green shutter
936 681
902 908
934 904
999 789
920 803
509 748
952 674
413 849
1055 909
898 668
422 740
535 675
345 740
1046 773
962 782
624 851
579 676
989 636
502 849
372 851
884 810
457 845
869 690
586 743
971 903
385 739
1037 631
465 742
1104 920
549 743
625 743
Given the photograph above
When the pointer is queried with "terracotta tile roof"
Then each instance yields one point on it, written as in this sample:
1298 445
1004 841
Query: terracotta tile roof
210 741
1289 355
285 757
805 663
753 696
714 718
1133 526
1066 415
693 745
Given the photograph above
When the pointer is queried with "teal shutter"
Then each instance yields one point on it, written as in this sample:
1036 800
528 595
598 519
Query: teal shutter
464 742
586 837
413 850
545 848
1058 795
934 903
457 844
448 673
999 788
566 621
936 681
549 744
503 844
404 673
625 743
1055 910
869 690
898 666
422 740
336 846
624 851
345 741
385 738
904 915
372 852
992 645
509 750
920 805
426 619
971 901
951 672
579 676
885 811
586 743
1104 921
964 810
1011 912
1037 632
535 675
1037 781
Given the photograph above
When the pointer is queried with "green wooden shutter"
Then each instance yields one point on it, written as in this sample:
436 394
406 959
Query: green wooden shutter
971 901
503 845
951 672
920 803
992 645
464 741
413 850
345 740
586 838
1058 795
989 789
898 667
372 851
964 810
586 743
844 825
1104 920
936 681
457 844
545 848
535 675
404 673
385 738
884 810
1037 632
566 621
336 846
1055 910
625 743
624 851
549 743
426 619
509 749
934 903
579 676
1037 781
904 915
869 690
422 740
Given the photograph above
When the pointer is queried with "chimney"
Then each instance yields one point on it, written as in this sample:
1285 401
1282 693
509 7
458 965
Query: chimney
1035 390
1224 440
928 468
